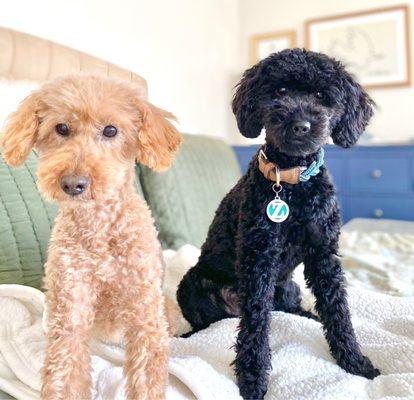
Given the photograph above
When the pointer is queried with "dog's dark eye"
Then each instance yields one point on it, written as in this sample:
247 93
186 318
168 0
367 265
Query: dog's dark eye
282 91
109 131
319 95
62 129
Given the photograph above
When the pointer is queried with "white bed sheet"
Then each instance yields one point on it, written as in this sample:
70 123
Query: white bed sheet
379 255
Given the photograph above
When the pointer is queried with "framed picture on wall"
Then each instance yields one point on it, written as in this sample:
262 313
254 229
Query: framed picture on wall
267 43
374 45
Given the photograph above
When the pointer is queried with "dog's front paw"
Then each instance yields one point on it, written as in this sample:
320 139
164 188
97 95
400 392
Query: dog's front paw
252 380
361 366
252 386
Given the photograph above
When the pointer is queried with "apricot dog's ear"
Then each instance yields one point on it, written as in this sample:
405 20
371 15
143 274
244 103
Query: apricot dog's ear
20 131
158 138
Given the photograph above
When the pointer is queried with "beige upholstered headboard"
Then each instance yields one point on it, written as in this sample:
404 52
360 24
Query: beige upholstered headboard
28 57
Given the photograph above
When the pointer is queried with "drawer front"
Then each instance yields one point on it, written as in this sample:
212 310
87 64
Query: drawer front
381 207
336 168
343 207
380 174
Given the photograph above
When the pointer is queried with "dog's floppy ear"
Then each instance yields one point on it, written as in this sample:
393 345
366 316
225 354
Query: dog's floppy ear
357 113
20 131
158 138
245 105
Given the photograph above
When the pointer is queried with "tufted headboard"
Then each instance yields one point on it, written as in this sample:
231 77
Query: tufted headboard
27 57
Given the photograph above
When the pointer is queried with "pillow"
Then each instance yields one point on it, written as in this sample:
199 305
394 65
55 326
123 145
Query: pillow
183 200
12 92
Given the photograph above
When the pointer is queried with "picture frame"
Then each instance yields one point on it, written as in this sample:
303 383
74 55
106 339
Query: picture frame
264 44
374 44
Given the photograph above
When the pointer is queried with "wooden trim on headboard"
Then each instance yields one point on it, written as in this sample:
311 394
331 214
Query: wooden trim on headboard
27 57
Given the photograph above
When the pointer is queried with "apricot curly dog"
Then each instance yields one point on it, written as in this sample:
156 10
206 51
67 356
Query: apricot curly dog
104 267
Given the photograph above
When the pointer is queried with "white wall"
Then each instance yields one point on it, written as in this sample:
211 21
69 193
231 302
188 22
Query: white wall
394 119
192 52
188 50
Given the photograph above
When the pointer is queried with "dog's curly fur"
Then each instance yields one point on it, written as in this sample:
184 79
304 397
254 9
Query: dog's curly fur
246 264
104 267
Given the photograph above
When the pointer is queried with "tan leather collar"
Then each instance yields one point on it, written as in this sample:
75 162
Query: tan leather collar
268 169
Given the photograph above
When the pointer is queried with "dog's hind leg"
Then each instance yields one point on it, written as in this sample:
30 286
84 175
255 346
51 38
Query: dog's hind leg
288 297
203 301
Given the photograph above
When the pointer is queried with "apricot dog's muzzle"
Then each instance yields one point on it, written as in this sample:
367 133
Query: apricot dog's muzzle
74 185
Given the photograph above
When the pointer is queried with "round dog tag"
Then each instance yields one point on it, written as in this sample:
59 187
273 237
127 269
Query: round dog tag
277 210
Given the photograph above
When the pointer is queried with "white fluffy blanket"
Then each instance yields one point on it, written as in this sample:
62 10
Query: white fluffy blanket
199 366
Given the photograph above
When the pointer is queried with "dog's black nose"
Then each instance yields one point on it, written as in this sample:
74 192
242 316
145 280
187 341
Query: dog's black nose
301 127
74 185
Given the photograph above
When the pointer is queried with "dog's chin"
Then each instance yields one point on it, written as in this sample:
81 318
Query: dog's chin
88 197
295 146
64 199
298 150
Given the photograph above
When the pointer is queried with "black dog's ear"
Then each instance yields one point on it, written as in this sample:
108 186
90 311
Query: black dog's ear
245 104
358 110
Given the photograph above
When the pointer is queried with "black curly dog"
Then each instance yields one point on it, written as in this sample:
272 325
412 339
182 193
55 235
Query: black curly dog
245 268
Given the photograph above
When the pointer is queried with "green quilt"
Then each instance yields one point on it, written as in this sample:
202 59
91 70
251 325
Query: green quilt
26 220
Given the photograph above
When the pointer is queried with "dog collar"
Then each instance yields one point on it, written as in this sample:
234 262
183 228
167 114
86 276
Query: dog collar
295 175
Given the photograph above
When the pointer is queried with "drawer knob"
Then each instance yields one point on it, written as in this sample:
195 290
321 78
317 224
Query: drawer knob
378 213
376 173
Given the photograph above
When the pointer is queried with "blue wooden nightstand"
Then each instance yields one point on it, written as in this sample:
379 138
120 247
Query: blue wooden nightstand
372 181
